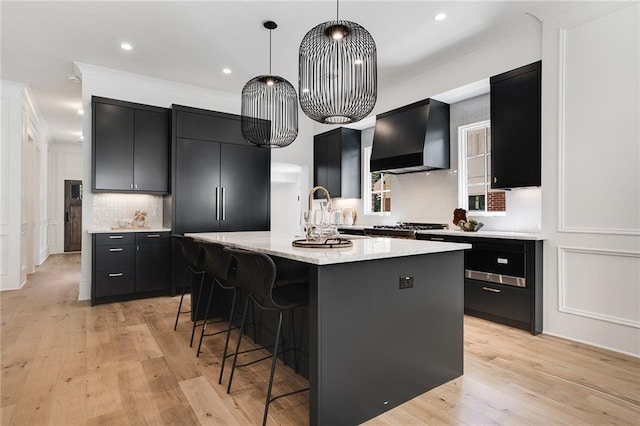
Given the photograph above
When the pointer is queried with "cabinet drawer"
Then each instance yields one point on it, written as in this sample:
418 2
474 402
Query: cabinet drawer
152 237
497 300
503 259
114 257
114 238
114 283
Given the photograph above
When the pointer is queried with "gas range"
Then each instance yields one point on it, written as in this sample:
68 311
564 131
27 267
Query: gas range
402 229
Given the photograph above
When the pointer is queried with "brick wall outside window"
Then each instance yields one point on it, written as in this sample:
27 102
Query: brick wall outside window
496 202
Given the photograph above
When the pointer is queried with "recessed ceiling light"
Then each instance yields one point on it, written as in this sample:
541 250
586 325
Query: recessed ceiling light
226 70
81 111
126 46
440 16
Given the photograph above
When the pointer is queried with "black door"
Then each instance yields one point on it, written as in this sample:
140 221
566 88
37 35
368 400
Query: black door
113 147
151 151
152 267
245 179
72 215
197 186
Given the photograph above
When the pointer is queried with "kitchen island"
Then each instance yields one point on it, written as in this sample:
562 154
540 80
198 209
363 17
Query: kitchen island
385 319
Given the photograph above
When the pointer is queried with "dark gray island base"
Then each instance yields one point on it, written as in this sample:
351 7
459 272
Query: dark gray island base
385 320
374 346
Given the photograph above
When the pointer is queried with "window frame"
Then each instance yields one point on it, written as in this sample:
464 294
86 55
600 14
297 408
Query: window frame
367 184
463 192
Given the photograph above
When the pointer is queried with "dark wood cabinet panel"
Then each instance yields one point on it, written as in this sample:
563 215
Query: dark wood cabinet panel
337 162
245 185
516 159
196 194
130 266
519 307
153 267
112 147
151 151
219 181
130 147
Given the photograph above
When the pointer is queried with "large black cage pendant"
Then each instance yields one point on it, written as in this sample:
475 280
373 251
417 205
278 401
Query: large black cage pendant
269 112
338 73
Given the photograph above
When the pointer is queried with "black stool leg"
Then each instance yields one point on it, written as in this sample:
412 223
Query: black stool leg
273 369
206 315
195 318
235 356
184 286
226 342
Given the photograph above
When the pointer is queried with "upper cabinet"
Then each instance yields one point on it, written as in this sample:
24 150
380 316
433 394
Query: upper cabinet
516 127
130 147
337 162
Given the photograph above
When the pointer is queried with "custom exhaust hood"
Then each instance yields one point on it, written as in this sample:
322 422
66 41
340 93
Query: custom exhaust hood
411 139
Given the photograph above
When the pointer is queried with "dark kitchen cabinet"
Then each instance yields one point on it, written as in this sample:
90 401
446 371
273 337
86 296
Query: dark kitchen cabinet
503 279
337 162
516 158
220 182
153 268
130 266
130 147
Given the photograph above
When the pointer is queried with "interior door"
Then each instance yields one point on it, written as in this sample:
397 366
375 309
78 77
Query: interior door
72 215
197 191
246 180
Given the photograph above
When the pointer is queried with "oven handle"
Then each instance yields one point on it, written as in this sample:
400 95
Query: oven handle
495 278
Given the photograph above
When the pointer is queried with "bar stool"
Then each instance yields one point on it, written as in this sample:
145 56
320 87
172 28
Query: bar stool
193 257
256 275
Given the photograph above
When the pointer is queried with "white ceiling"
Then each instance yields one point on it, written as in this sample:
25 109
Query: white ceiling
191 42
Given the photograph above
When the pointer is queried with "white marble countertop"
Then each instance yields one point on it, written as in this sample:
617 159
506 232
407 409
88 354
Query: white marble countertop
486 234
277 244
123 230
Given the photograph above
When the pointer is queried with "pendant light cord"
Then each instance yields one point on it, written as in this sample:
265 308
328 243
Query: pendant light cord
270 52
337 10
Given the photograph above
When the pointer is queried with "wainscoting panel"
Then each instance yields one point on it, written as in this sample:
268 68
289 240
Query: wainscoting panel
600 284
599 177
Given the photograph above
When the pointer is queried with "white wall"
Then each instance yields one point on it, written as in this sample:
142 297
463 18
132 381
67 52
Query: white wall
591 175
65 163
23 212
114 84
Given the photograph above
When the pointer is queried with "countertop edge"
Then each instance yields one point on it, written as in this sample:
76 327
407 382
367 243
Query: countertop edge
126 230
487 234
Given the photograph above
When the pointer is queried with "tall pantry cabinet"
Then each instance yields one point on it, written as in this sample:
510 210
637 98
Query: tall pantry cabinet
219 181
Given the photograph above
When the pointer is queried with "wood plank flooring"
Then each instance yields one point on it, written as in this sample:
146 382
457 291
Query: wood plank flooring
67 363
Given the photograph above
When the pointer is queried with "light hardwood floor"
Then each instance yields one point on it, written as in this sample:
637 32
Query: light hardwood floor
65 362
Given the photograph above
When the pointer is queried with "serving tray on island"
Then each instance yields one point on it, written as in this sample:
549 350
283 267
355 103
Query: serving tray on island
324 244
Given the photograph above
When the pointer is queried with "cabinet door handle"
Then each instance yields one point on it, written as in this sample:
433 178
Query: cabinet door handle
224 205
437 239
493 290
115 237
116 249
153 236
217 203
135 186
502 261
119 274
495 179
131 186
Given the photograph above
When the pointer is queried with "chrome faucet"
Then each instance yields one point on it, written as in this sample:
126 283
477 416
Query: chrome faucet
327 197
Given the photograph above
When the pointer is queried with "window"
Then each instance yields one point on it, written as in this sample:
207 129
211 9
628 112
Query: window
377 188
476 195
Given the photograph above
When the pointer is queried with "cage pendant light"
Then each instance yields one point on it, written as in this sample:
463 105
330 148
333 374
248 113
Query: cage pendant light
337 80
269 109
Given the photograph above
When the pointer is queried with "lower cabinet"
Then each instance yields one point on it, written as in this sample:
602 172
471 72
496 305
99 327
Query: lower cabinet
130 266
503 279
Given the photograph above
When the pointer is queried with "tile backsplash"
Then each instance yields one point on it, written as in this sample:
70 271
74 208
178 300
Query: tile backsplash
109 209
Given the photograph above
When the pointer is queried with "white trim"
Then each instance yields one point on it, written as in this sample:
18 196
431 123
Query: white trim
589 343
562 307
463 193
366 184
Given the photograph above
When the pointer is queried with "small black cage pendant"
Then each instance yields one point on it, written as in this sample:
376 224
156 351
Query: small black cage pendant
337 73
269 110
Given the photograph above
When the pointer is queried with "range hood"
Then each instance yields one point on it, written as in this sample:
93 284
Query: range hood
411 139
